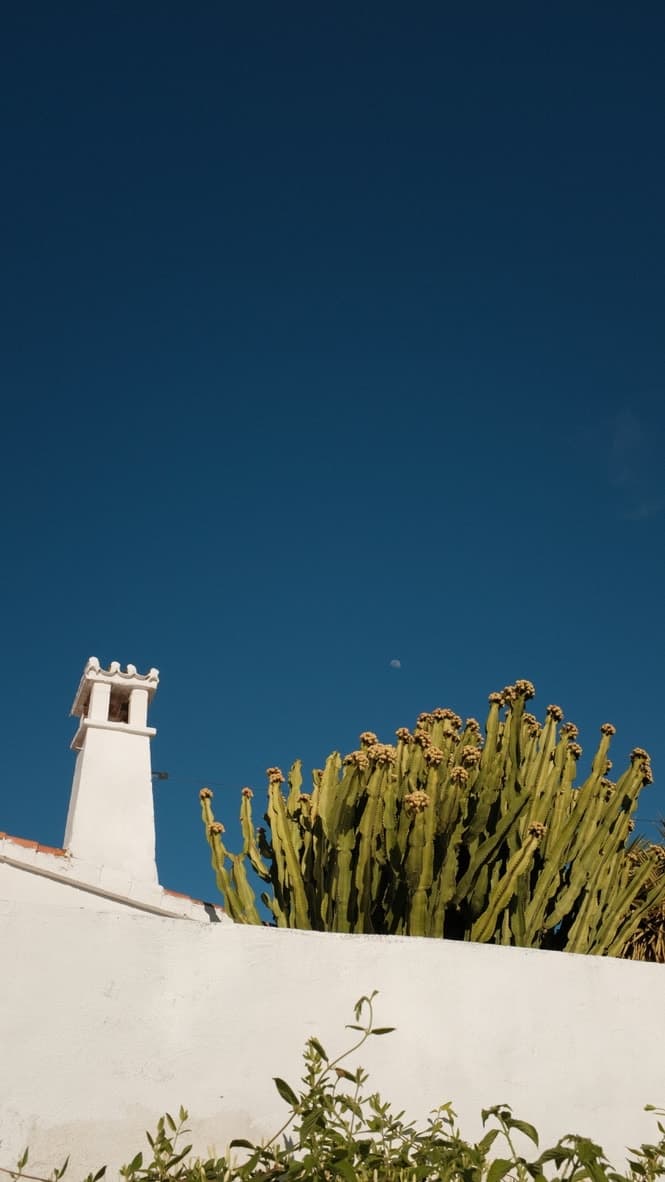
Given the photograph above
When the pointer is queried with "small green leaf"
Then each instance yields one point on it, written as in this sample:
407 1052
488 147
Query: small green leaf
135 1164
311 1121
354 1107
314 1042
23 1160
99 1174
286 1092
498 1169
178 1158
345 1170
524 1127
558 1154
240 1143
342 1073
171 1121
488 1140
383 1030
500 1111
357 1009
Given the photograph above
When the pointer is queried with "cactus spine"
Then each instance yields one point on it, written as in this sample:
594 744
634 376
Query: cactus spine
446 835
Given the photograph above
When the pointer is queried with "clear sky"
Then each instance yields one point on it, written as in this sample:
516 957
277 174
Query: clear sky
332 336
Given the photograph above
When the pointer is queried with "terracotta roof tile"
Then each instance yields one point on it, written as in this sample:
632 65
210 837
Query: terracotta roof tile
52 849
190 898
34 845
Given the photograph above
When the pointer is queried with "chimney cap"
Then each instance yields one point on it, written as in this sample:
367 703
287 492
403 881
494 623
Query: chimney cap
128 679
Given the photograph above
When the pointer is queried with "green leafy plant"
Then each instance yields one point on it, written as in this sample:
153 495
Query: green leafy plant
447 833
336 1129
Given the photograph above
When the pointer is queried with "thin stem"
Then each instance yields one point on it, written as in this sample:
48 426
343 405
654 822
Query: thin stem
20 1174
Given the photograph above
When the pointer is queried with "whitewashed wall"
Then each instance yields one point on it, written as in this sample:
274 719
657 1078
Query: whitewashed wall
34 874
109 1017
120 1000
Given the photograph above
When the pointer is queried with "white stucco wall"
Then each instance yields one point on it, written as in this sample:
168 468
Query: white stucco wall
28 874
120 1000
110 1017
16 884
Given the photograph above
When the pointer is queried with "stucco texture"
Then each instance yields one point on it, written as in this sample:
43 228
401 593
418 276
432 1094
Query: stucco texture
110 1017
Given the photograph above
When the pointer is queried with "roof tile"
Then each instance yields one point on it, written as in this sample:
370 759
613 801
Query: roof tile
34 845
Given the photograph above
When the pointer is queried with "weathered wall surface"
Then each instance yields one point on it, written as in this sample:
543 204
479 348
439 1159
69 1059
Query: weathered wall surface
110 1017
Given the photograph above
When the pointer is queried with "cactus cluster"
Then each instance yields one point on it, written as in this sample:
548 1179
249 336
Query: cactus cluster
449 833
647 941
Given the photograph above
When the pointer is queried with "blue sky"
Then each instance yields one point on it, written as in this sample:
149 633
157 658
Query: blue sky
331 336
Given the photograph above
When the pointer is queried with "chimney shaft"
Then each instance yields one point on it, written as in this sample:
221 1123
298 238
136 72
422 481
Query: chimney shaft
111 820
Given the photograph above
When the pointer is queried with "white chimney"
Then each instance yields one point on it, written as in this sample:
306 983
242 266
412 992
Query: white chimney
111 819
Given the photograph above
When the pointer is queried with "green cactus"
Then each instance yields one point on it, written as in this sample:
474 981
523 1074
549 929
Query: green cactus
446 835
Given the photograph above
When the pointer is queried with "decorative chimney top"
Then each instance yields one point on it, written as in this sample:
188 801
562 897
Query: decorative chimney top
113 698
